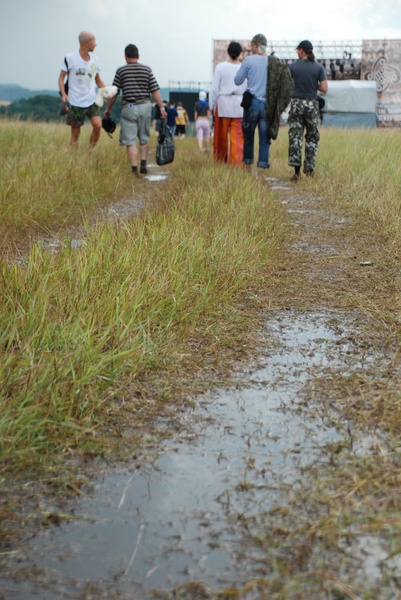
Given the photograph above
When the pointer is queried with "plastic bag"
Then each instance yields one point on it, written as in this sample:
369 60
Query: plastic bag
165 148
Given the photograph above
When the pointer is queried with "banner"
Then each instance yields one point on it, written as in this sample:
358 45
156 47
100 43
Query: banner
381 62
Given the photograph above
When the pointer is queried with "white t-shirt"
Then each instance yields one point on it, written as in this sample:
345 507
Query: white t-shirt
82 89
224 93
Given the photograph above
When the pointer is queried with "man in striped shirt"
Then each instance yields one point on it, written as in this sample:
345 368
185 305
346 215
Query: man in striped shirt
254 70
137 84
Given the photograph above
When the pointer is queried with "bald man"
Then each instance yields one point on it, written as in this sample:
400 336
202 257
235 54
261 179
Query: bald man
82 67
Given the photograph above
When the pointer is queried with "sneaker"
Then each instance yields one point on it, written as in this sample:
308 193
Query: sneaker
296 177
143 169
309 172
135 171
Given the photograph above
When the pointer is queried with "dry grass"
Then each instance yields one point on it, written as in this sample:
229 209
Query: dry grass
313 541
77 324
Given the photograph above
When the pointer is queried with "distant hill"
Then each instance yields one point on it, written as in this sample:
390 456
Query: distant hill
11 93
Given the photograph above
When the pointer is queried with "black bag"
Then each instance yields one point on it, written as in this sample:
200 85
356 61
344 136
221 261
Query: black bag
66 81
246 99
165 145
109 125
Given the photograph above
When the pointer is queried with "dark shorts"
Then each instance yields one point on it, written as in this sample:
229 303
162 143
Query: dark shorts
76 115
180 130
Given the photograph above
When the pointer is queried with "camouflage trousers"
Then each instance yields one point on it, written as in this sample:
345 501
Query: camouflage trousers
304 116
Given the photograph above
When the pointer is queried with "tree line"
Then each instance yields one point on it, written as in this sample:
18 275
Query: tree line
44 108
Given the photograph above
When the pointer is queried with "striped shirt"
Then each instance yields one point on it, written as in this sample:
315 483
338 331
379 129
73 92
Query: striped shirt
254 69
137 83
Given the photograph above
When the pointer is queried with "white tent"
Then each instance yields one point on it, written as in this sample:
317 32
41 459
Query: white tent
350 103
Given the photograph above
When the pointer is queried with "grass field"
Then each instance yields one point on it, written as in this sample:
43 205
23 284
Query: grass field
151 310
76 324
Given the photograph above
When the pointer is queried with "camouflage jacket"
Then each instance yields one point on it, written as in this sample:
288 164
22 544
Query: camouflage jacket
280 86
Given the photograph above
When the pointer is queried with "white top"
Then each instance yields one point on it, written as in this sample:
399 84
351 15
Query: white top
225 93
82 89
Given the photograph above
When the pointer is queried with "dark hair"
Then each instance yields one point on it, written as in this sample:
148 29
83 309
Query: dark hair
310 54
131 51
234 50
307 47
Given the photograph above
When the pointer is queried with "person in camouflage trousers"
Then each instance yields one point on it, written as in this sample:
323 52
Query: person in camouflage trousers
304 117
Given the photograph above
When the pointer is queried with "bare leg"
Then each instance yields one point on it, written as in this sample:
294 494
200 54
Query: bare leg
144 150
75 133
132 155
96 129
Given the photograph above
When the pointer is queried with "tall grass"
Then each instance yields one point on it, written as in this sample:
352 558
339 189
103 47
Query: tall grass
44 185
358 168
73 325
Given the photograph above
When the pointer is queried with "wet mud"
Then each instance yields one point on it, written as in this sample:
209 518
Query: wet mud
192 509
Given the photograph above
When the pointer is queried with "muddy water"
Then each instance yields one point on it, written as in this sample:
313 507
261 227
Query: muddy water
190 510
122 209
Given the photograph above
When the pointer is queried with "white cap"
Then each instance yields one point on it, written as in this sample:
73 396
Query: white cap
202 95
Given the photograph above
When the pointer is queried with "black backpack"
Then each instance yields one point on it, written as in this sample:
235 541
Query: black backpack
66 81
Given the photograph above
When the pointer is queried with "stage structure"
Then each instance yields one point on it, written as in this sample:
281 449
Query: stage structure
376 61
341 59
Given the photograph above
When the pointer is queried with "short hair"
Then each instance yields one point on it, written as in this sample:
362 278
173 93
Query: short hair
84 36
234 50
131 51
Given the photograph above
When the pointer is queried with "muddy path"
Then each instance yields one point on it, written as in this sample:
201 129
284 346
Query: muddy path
215 511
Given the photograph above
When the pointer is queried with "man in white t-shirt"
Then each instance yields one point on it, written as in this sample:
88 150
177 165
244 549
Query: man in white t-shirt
82 67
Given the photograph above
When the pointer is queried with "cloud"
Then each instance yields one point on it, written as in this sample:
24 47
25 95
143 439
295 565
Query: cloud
174 39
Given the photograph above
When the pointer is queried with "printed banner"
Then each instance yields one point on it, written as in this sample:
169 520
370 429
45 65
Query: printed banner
381 62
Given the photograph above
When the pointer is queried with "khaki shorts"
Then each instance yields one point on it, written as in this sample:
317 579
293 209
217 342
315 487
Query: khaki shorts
77 114
135 123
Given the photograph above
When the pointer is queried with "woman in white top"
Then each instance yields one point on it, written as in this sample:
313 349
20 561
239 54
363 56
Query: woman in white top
225 102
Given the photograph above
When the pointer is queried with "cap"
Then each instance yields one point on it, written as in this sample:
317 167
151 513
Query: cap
259 39
202 95
305 45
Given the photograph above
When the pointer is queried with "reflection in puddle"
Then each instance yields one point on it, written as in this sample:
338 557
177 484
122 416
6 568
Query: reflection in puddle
185 513
156 177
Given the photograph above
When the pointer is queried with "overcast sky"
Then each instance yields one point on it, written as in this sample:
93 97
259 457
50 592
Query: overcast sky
174 37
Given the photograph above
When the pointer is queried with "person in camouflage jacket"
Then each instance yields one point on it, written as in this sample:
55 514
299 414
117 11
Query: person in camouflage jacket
280 87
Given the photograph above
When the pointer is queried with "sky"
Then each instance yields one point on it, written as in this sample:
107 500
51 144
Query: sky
175 38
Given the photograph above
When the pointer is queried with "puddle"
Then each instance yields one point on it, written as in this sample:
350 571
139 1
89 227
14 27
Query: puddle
123 209
156 177
186 513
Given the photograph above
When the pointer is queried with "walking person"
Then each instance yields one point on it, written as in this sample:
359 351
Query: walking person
202 122
158 119
309 78
181 121
225 103
254 70
137 84
172 114
82 68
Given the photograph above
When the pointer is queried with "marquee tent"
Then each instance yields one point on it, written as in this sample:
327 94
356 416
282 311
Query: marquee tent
350 103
